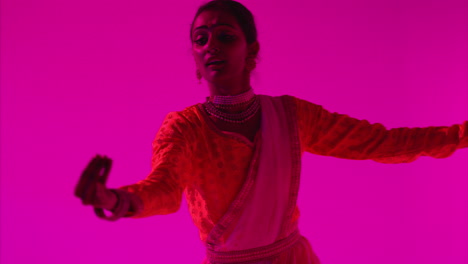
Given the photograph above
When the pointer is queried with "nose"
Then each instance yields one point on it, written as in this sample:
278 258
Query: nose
213 51
212 45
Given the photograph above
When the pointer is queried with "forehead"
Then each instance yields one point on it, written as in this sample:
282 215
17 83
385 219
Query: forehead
214 19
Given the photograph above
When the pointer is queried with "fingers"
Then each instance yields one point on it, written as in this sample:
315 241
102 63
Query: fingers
89 195
85 189
91 186
103 197
86 176
106 166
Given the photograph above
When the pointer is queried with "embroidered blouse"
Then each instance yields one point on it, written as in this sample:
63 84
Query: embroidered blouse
192 156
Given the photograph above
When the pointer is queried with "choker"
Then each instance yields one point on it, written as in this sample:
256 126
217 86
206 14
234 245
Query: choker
232 99
214 105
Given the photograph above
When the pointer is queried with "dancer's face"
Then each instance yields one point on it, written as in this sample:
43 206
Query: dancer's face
219 30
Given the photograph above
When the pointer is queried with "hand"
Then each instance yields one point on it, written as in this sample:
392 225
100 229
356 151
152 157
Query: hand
91 187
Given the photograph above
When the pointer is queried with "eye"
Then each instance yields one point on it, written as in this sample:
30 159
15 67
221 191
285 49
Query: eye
199 41
223 37
228 37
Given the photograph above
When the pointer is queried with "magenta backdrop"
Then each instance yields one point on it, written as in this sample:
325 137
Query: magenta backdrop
85 77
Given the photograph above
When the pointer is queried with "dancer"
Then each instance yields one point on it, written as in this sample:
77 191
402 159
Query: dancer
237 156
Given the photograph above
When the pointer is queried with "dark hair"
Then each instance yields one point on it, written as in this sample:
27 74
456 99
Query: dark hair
243 16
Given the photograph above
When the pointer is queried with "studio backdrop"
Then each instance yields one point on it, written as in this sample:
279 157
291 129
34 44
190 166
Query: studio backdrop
80 78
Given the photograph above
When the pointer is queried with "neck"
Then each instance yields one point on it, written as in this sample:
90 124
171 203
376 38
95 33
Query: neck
230 87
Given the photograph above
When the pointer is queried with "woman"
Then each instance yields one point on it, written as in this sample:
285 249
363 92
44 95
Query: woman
237 156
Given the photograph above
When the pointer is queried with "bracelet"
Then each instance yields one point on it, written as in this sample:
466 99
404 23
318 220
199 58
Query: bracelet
121 208
117 196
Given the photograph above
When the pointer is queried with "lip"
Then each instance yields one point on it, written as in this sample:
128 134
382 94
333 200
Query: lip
214 59
216 66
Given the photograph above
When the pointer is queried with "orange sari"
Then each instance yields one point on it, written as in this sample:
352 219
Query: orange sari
212 166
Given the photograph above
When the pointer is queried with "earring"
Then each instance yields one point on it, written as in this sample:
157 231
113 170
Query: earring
199 76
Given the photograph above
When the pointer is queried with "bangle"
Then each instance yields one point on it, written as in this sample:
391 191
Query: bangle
120 209
117 197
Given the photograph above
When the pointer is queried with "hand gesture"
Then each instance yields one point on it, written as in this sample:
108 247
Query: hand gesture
91 187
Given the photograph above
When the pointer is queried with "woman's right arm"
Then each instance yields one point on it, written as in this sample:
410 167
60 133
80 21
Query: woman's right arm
161 191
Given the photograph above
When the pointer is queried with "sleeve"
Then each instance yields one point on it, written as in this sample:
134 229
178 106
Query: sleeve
161 191
341 136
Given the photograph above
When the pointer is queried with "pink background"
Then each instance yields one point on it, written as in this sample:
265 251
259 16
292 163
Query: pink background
85 77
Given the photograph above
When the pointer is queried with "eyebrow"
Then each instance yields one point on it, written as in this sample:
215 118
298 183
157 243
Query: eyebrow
215 25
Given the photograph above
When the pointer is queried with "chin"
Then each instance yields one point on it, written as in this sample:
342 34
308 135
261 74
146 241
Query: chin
220 78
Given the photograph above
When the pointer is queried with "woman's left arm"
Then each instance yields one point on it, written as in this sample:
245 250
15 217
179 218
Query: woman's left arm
341 136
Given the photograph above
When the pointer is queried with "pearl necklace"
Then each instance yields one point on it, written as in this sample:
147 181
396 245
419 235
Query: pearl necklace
231 99
215 104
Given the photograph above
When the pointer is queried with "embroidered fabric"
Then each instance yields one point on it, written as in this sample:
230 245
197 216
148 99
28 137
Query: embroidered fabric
338 135
300 252
262 205
254 254
191 156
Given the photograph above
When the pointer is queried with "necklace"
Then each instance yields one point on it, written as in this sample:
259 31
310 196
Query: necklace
214 105
231 99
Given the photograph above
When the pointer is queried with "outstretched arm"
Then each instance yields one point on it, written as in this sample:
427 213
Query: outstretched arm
341 136
161 191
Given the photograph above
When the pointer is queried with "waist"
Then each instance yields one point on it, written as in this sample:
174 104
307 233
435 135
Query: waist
254 254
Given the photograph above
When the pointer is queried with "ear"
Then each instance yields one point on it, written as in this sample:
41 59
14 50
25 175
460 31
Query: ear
253 49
